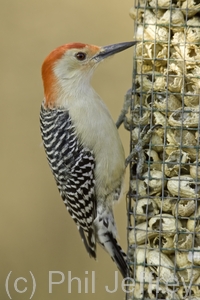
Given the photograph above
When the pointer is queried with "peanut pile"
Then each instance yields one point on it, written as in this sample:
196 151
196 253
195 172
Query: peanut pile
164 238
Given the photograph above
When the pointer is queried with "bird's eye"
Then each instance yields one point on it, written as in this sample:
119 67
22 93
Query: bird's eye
80 55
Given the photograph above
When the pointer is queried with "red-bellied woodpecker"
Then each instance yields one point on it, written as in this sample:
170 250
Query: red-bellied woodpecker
82 144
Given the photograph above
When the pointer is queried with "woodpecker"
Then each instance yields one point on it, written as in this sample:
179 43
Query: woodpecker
82 144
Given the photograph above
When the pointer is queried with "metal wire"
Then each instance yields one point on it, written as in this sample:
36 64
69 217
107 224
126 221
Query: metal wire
163 202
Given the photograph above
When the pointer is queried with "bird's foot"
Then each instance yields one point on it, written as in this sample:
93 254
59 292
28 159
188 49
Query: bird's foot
138 150
127 103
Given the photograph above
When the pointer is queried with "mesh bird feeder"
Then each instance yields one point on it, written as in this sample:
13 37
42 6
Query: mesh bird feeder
164 121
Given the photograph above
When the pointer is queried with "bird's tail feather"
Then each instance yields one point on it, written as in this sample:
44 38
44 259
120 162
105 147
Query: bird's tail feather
106 236
111 245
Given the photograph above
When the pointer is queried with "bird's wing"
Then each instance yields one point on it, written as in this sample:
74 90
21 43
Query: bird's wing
77 182
73 167
79 196
78 191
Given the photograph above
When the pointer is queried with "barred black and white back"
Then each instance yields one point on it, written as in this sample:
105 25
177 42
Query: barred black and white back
73 167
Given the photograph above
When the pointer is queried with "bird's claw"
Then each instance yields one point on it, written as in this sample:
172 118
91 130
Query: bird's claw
138 149
127 103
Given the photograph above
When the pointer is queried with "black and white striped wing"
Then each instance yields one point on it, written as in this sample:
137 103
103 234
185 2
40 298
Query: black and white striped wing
78 192
79 196
73 167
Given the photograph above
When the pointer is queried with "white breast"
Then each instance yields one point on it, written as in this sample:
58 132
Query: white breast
97 131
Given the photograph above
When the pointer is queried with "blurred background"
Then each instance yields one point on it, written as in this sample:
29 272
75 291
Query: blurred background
37 234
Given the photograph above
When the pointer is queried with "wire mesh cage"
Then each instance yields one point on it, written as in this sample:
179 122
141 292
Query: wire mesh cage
164 122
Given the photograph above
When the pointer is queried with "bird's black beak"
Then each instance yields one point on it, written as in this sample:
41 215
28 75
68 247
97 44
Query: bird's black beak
109 50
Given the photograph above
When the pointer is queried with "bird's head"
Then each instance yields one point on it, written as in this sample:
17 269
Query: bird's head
69 68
